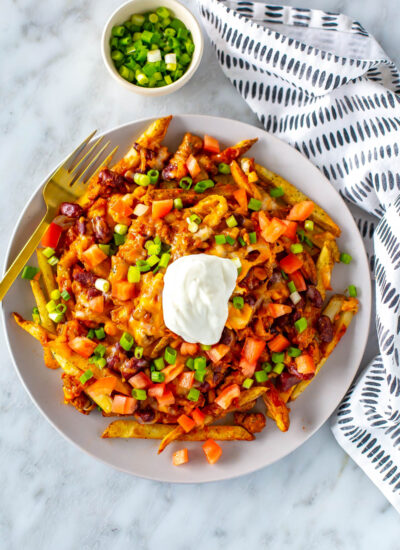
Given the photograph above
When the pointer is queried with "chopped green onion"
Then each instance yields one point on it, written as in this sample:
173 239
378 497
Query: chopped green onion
35 315
238 302
352 291
301 234
253 237
119 239
254 204
202 185
278 368
178 204
65 295
200 363
291 287
153 18
296 248
121 229
87 375
278 357
167 79
100 334
186 183
159 363
133 274
293 352
153 175
126 73
102 284
100 350
195 218
345 258
153 260
48 252
105 248
199 375
61 308
53 260
137 19
139 394
224 168
147 36
190 363
309 225
205 347
29 272
153 249
241 241
141 179
56 317
193 394
55 294
51 306
90 334
295 297
126 341
164 261
247 383
143 266
162 12
301 324
237 263
220 239
138 353
230 240
261 376
157 377
308 242
170 355
276 192
101 362
118 30
266 366
231 221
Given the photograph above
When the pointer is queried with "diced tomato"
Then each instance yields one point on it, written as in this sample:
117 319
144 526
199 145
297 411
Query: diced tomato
298 280
212 451
123 405
186 422
291 228
102 386
301 211
167 398
216 353
123 290
193 166
140 381
241 197
94 256
252 349
247 368
120 211
189 349
52 236
156 390
279 343
186 380
82 345
198 416
305 364
211 144
172 371
180 457
97 304
291 263
277 310
159 209
263 220
225 398
275 229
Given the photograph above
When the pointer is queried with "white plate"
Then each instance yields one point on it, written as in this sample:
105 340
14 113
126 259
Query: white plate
311 409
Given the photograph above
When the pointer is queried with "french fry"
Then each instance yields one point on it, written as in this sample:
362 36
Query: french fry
293 195
340 310
47 272
242 181
326 260
41 302
231 153
276 408
49 360
132 429
35 330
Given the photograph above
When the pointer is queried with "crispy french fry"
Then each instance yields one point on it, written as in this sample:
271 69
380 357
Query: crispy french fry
47 272
276 408
242 181
326 260
35 330
293 195
41 302
49 359
132 429
340 310
231 153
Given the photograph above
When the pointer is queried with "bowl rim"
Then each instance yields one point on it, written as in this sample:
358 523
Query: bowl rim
153 92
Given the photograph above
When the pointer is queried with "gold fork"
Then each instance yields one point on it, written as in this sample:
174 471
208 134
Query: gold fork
66 184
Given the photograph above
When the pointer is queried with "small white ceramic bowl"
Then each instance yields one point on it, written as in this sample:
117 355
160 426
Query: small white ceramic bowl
123 13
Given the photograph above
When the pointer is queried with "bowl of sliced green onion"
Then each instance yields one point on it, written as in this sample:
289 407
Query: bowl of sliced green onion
152 47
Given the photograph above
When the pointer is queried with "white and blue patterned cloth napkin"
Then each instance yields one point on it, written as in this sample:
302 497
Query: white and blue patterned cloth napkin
320 82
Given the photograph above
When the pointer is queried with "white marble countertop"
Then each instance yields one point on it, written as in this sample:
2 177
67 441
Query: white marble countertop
54 90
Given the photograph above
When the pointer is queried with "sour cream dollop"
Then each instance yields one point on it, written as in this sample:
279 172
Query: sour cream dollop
195 297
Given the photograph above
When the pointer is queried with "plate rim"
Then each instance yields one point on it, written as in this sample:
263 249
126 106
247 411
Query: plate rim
367 300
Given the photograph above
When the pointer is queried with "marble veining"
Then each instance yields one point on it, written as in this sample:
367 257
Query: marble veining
53 90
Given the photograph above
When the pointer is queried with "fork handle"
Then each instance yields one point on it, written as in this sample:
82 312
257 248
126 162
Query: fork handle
19 262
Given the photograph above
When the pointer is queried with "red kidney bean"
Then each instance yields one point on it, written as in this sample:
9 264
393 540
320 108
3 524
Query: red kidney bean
250 299
112 182
314 296
80 224
71 209
146 415
251 281
286 380
101 229
227 337
325 328
86 278
93 292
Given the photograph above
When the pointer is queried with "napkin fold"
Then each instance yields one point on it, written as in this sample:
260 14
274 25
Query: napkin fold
322 83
